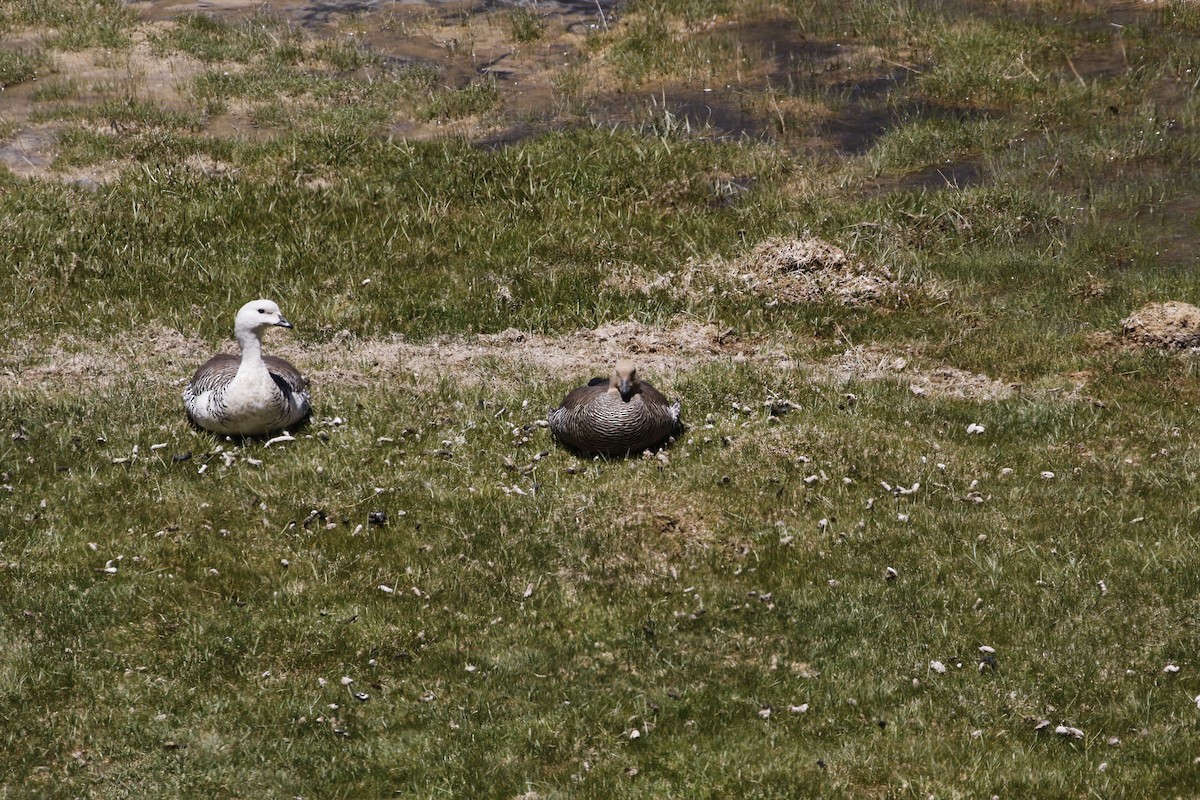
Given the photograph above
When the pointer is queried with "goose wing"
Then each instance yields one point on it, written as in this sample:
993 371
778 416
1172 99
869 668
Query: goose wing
214 373
285 374
582 395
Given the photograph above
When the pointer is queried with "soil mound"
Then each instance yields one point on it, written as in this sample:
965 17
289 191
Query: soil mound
810 270
1171 325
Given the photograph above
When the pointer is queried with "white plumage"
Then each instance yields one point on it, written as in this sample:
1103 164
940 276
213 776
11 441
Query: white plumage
250 395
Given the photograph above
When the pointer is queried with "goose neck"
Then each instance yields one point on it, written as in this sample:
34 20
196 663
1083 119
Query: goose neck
251 344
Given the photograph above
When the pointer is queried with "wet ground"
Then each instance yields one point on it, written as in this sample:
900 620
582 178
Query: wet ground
466 41
470 40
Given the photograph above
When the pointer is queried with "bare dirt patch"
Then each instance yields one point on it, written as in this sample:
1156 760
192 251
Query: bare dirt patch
1172 325
495 358
162 359
874 364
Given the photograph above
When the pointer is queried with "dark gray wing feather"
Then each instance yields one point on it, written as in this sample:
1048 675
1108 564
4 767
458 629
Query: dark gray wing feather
287 377
214 373
582 395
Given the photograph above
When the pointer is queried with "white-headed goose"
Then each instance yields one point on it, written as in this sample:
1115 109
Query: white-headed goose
250 395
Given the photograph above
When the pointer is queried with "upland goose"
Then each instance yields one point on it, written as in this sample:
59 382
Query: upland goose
251 395
615 416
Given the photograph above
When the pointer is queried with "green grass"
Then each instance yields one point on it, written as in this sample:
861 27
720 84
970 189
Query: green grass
17 67
213 39
527 25
475 98
57 91
73 24
177 626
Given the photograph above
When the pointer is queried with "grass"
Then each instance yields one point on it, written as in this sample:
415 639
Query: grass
527 25
214 40
181 610
72 24
475 98
17 67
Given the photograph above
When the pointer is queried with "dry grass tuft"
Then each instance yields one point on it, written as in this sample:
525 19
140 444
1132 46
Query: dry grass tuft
782 270
810 270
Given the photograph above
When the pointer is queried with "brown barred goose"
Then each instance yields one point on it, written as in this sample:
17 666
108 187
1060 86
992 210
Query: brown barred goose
615 416
250 395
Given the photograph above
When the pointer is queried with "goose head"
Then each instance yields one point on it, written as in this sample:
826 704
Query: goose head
624 379
258 315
